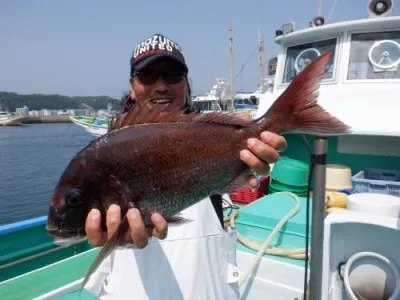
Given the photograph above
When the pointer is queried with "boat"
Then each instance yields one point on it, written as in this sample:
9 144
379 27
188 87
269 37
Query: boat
212 101
7 119
94 125
353 248
249 102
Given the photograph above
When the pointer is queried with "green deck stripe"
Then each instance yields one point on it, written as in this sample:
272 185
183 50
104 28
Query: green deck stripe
47 279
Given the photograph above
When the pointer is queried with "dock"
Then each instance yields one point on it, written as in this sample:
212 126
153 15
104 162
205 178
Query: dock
46 119
20 121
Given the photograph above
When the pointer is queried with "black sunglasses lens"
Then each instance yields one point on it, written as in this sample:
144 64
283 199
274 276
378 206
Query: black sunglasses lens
173 77
149 77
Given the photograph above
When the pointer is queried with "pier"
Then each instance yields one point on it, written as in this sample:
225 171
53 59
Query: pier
20 121
46 119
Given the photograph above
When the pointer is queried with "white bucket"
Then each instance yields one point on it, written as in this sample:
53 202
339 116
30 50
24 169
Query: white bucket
338 177
378 204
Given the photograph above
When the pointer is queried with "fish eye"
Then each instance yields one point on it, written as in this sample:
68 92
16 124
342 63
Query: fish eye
74 198
74 201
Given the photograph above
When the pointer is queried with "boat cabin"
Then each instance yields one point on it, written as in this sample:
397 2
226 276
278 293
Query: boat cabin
360 87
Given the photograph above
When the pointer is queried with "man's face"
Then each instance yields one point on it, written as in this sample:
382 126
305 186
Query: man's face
161 82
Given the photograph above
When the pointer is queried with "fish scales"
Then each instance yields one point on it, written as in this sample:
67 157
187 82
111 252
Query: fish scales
175 170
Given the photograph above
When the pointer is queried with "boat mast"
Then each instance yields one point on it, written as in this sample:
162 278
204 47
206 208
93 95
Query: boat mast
319 7
262 70
232 93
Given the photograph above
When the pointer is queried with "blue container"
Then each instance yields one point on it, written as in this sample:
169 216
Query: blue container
377 181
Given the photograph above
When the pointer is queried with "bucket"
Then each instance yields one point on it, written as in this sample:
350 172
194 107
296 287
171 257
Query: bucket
276 186
289 175
379 204
290 172
338 177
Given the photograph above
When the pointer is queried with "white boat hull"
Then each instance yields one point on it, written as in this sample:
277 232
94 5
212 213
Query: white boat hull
94 130
271 280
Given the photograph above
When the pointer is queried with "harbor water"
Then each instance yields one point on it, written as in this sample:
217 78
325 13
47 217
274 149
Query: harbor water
32 158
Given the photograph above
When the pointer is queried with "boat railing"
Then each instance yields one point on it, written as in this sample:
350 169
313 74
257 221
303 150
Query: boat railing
29 253
42 253
21 225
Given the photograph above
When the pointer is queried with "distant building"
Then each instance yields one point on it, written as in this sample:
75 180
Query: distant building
62 112
49 112
22 111
35 113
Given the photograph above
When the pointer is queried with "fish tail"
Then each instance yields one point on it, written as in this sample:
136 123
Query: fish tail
296 110
111 244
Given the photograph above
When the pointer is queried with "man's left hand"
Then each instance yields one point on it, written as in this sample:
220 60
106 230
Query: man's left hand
262 152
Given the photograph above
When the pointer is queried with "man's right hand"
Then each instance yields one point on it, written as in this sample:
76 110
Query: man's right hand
139 234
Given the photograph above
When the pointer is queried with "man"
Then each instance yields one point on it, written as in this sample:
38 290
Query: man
193 260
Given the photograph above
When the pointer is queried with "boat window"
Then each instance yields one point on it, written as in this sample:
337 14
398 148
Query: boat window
298 57
374 55
243 101
204 105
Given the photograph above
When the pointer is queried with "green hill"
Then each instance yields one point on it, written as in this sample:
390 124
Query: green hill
41 101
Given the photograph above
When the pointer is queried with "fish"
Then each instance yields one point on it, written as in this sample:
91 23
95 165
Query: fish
161 160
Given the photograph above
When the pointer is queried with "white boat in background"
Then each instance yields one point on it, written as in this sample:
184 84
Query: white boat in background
93 125
7 119
213 99
249 102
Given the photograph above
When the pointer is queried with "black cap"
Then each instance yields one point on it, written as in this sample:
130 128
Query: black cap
153 48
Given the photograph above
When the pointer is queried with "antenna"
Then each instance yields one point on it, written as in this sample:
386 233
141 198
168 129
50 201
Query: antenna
262 70
319 7
230 101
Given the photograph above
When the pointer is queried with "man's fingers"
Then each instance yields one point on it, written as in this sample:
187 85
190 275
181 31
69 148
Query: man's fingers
93 230
138 230
259 166
113 219
160 229
274 140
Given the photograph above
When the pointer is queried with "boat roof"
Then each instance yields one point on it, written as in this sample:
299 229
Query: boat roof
367 24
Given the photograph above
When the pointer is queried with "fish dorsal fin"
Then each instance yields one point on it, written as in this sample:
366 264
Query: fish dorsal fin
161 114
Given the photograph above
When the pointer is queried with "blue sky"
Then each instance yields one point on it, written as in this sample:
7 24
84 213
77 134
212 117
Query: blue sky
83 47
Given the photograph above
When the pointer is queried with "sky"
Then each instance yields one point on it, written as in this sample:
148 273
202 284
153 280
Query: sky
83 47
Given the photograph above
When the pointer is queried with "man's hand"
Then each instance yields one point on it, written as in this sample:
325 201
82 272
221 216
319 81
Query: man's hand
139 234
262 152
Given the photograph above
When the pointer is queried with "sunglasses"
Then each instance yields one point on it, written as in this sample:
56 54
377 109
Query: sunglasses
149 77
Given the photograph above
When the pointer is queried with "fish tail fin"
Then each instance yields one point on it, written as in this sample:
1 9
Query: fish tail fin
108 247
296 110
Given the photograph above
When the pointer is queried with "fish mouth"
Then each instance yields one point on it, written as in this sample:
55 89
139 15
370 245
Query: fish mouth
162 100
59 233
65 242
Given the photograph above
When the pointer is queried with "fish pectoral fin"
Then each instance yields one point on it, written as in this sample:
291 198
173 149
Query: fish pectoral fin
114 181
116 239
177 219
